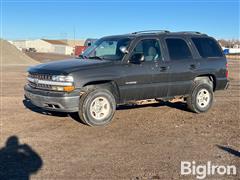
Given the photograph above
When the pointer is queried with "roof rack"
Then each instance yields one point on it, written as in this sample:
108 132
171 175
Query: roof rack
193 32
151 31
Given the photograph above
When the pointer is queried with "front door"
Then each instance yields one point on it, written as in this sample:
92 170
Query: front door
143 80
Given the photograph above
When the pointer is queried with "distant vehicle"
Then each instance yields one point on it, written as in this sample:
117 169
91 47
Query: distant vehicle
89 42
80 49
119 69
31 50
226 51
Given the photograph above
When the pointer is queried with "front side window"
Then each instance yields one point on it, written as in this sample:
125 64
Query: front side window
107 48
149 48
207 47
178 49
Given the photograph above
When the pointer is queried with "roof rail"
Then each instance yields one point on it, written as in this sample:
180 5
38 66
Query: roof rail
151 31
193 32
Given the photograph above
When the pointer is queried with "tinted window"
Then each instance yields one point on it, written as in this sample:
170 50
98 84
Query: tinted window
207 47
149 48
178 49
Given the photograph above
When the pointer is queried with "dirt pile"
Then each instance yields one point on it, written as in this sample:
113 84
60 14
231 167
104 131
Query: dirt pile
10 55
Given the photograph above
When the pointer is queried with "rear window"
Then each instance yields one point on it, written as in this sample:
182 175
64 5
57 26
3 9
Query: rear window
207 47
178 49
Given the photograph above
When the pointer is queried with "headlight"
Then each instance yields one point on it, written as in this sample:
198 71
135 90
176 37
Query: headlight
55 82
62 78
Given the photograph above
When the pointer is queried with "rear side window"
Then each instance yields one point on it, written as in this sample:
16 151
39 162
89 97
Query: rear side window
207 47
178 49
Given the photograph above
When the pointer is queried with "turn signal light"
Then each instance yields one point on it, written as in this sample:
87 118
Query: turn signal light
68 88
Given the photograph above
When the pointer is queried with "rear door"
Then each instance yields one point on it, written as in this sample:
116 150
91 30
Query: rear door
182 65
211 59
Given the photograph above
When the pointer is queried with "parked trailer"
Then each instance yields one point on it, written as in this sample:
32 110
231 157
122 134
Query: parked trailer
79 50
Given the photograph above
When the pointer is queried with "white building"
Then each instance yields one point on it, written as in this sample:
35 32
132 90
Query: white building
45 46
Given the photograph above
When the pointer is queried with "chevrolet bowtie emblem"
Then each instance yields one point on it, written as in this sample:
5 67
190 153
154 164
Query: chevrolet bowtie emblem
36 81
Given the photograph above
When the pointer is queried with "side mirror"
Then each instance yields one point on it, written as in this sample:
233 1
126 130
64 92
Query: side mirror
137 58
123 49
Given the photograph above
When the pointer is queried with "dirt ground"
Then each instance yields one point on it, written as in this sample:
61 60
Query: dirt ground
147 142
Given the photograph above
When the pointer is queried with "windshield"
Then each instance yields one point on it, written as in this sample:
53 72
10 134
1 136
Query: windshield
107 48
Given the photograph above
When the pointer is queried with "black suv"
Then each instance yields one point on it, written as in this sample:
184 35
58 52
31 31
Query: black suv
137 66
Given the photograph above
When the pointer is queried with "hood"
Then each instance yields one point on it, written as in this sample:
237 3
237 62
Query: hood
67 66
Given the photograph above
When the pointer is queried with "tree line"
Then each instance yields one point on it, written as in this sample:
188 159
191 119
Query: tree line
229 43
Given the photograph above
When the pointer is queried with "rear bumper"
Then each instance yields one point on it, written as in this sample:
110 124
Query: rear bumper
222 84
227 85
62 102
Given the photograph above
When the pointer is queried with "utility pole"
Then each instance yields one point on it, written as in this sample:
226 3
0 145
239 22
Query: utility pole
74 39
74 35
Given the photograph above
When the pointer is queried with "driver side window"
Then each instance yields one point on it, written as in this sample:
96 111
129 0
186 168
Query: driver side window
149 48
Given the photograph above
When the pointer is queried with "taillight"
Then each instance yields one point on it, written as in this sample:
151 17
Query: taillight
226 70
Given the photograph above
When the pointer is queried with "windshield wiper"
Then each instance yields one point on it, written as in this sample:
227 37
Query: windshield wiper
82 57
95 57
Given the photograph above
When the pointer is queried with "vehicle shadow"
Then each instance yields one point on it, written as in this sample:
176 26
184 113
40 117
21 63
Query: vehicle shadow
177 105
32 107
229 150
18 161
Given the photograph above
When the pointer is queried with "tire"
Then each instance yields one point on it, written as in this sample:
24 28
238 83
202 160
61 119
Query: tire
97 107
201 97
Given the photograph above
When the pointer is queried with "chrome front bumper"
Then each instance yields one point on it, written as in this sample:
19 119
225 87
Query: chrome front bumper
53 103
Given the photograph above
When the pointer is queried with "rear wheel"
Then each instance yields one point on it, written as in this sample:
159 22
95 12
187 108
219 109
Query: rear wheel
201 97
97 107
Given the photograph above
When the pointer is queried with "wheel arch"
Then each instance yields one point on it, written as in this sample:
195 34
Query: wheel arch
110 85
211 77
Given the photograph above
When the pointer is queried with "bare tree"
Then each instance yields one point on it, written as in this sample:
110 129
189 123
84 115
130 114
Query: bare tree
229 43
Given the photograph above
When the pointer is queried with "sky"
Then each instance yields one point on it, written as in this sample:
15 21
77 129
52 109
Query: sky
62 19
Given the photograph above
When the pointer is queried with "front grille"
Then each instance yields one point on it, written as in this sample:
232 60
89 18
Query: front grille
40 77
40 86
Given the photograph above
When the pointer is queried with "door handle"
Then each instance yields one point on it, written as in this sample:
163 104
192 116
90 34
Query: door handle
192 67
164 68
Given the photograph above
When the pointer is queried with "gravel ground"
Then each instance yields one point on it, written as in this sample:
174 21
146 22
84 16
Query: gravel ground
143 142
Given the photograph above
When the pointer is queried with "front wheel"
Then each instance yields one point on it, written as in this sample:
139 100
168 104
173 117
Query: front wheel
201 97
97 107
